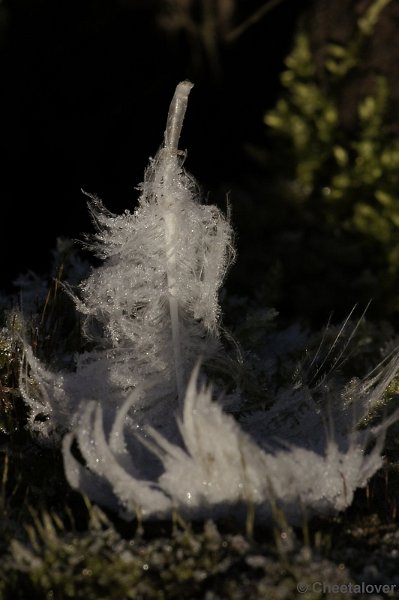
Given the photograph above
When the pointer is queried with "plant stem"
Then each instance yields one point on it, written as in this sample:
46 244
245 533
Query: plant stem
172 134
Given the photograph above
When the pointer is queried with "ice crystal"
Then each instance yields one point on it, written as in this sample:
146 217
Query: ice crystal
152 306
218 468
144 437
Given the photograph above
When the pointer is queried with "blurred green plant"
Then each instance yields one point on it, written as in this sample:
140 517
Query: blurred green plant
343 183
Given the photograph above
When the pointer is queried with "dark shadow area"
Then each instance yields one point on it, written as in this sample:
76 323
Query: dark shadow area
86 88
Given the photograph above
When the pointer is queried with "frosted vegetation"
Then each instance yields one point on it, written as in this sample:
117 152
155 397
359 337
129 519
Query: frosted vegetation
143 431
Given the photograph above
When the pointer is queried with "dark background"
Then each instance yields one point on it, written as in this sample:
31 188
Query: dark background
85 89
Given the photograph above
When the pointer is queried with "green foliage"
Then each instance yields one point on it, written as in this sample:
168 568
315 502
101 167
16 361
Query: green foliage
342 182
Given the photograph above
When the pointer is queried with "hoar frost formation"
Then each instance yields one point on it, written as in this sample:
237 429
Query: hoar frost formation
151 437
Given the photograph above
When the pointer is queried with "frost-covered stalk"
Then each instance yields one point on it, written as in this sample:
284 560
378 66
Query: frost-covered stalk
152 306
156 293
174 125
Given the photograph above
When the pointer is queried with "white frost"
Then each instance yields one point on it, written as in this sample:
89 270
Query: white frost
152 306
146 438
217 468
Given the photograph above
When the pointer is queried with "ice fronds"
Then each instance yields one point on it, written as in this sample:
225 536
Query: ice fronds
215 467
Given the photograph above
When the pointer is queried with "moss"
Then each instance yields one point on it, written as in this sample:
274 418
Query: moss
186 563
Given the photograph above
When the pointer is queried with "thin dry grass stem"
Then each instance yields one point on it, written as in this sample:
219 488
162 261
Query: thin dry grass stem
305 525
337 364
4 480
253 19
250 516
330 352
337 354
178 522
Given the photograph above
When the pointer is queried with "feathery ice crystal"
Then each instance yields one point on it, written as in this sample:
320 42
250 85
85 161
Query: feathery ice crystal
152 307
219 468
152 310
